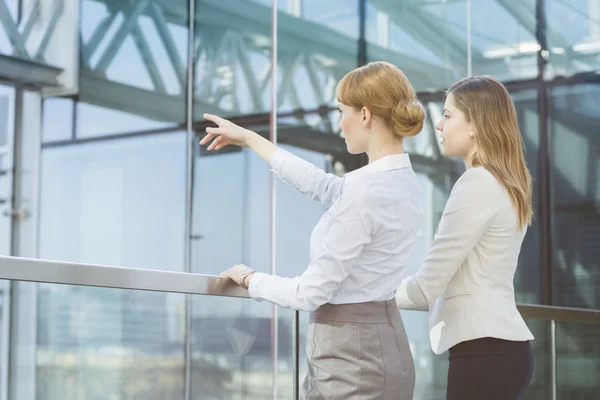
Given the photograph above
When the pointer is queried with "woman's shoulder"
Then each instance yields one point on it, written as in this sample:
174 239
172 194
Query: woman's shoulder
479 182
478 176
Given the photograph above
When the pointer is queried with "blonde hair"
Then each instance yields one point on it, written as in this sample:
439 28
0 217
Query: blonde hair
498 143
386 92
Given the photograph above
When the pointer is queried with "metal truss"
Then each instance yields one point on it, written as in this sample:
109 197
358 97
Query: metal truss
31 34
232 64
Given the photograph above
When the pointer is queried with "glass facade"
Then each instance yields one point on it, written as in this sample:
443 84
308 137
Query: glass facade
112 174
575 194
102 343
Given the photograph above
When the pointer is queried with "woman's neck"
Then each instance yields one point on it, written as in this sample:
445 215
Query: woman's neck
384 150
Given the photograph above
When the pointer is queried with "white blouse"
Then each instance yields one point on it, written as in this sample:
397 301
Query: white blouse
361 245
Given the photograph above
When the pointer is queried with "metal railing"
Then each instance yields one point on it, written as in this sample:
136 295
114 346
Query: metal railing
69 273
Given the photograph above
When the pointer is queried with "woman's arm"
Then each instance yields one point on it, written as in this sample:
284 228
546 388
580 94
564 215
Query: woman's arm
469 212
302 175
350 230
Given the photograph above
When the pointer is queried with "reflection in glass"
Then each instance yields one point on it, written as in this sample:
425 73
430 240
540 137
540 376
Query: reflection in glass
7 160
96 121
230 222
57 123
573 34
118 202
317 46
575 195
427 40
98 343
41 32
503 39
578 360
527 277
540 386
339 15
297 215
231 225
232 344
232 58
133 60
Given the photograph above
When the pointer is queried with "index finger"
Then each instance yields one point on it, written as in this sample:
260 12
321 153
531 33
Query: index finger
214 118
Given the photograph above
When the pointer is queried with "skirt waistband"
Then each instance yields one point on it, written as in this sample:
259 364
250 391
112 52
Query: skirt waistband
374 312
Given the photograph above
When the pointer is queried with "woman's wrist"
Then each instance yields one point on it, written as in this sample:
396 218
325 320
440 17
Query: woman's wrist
246 278
260 145
250 138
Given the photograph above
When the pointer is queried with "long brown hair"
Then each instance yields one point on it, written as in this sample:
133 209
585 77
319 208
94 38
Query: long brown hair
498 142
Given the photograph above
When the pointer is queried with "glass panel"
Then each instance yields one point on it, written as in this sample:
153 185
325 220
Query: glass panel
293 241
578 360
99 343
5 294
431 370
540 386
7 131
232 348
57 123
503 39
575 195
231 225
316 48
96 121
573 32
232 58
42 32
118 202
427 40
339 15
230 222
133 65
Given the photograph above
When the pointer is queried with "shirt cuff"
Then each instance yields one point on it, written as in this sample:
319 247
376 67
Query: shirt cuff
254 287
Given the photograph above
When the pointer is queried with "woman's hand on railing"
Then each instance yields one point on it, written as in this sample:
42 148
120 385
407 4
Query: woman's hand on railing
240 274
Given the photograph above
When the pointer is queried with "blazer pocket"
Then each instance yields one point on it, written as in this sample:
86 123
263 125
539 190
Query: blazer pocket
451 295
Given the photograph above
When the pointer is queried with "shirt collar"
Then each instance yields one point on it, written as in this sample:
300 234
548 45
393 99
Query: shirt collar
386 163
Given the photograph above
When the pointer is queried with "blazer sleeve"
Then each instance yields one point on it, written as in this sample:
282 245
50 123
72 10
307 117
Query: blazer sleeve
469 212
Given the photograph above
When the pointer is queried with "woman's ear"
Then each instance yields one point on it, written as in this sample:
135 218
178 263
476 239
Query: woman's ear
366 116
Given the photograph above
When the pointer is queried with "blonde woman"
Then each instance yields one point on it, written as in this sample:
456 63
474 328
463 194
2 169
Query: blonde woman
356 344
467 277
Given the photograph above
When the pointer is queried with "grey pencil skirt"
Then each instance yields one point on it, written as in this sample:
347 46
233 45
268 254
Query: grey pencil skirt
358 351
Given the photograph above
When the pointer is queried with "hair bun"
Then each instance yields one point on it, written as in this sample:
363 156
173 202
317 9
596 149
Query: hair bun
408 117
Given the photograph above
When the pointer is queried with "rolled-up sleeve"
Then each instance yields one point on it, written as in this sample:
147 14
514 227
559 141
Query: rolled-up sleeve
306 177
469 212
349 230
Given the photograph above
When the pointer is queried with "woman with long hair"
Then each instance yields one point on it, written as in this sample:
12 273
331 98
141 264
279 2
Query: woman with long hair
467 276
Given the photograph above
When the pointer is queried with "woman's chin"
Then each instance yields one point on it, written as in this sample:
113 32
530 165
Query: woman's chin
351 149
445 152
